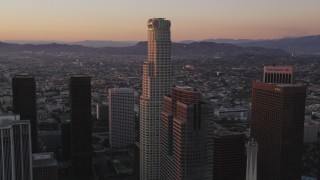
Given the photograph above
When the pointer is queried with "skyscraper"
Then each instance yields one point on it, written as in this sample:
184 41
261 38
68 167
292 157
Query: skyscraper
278 74
186 136
81 122
229 156
252 155
24 103
121 117
15 149
156 82
277 126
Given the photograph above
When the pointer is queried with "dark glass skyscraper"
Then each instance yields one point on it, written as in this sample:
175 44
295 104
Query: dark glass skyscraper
229 161
24 103
277 126
81 122
186 136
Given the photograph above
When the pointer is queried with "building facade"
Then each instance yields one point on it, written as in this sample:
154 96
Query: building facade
24 103
229 156
121 117
278 74
50 140
186 136
102 111
252 156
45 166
15 149
80 127
66 139
277 126
156 82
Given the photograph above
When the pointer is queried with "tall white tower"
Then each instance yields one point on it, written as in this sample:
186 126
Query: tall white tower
252 154
156 82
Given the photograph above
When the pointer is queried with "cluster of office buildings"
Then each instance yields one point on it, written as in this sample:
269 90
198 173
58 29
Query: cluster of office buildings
176 135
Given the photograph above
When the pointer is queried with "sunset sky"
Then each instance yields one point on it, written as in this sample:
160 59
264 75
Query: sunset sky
122 20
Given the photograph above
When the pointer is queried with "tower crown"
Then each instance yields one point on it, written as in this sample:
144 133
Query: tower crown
159 23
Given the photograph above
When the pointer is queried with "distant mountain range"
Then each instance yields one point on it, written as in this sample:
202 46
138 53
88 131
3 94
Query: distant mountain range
88 43
179 49
296 45
306 44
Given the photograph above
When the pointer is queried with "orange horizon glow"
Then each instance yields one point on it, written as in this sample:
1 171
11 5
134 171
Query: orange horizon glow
77 20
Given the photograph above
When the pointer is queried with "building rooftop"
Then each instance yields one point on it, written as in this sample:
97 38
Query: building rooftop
10 117
276 85
188 88
289 85
8 121
44 160
79 75
115 90
226 133
23 75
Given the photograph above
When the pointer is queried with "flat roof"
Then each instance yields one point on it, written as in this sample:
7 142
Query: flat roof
79 75
23 75
9 120
10 117
289 85
43 160
115 90
226 133
189 88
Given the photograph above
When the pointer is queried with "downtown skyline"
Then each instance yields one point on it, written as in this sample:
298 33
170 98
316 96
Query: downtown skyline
173 131
123 20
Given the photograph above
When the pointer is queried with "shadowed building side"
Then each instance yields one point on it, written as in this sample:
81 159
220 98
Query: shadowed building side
80 126
24 103
229 156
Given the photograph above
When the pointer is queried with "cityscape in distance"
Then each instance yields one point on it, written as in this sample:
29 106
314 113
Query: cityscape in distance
158 96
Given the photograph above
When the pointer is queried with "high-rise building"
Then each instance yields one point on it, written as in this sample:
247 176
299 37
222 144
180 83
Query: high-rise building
45 166
277 126
229 160
278 74
24 103
156 82
121 117
80 126
252 155
102 111
15 148
186 136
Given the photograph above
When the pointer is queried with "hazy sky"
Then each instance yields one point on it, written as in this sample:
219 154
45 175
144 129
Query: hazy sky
73 20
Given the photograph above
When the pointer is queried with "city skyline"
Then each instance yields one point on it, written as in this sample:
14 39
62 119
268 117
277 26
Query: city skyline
123 20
